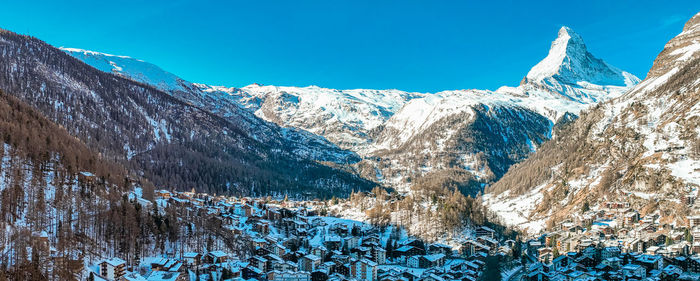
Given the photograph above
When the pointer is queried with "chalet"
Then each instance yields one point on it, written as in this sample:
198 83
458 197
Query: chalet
364 270
488 241
693 265
427 261
561 262
439 249
351 242
471 247
650 262
414 243
341 268
309 263
279 250
333 242
586 262
247 210
545 255
163 194
164 264
485 231
252 272
215 257
258 262
112 269
404 251
671 272
609 252
260 243
192 258
631 218
693 221
378 254
634 270
319 251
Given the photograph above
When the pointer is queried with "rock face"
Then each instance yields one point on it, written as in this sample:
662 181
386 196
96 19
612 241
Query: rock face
570 62
174 143
402 136
642 147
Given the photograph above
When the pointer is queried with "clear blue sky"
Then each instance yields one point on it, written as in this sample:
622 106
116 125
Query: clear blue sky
408 45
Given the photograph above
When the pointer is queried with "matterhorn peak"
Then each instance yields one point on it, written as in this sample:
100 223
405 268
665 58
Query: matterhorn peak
569 62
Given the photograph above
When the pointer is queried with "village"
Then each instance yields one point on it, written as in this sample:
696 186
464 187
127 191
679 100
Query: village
296 241
614 242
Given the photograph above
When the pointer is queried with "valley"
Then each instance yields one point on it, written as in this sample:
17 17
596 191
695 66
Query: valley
113 168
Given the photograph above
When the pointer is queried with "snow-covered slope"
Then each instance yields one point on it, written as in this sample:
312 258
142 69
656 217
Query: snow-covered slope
222 101
132 68
404 135
345 117
642 147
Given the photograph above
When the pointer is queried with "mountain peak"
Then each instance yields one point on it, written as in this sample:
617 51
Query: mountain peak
569 62
568 37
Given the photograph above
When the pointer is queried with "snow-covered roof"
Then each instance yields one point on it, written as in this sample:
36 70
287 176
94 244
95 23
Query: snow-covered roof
217 254
114 261
404 248
434 257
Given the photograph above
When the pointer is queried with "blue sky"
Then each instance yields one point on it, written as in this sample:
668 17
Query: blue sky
407 45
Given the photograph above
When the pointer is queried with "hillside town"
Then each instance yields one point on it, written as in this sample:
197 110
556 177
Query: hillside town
614 242
295 241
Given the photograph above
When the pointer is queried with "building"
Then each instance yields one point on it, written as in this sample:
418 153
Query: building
192 258
378 255
112 269
485 231
309 263
215 257
693 221
545 255
634 270
364 270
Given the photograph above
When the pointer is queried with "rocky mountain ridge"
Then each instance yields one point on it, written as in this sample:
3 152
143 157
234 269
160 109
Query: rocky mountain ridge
642 147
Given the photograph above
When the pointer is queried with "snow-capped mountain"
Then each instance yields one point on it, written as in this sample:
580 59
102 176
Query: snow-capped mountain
404 135
345 117
485 132
224 102
642 147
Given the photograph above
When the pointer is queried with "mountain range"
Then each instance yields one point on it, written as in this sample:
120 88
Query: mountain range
394 137
174 143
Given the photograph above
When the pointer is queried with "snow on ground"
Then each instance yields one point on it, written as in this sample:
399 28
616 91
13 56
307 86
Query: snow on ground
687 170
516 211
131 68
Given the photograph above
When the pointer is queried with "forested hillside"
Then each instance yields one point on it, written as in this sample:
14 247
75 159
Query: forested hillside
172 143
61 203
